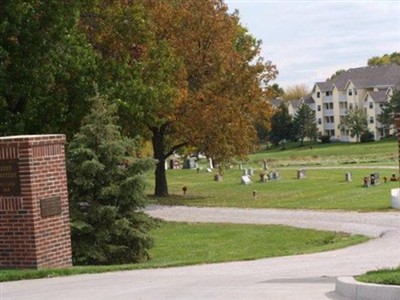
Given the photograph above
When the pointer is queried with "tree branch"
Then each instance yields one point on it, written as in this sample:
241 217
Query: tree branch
174 148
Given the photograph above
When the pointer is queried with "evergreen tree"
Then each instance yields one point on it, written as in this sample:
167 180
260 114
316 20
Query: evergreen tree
281 126
304 124
106 193
387 115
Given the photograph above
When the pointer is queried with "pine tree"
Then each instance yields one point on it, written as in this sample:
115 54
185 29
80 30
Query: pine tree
304 123
107 192
281 126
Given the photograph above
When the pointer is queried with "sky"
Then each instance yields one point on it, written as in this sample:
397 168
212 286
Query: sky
309 40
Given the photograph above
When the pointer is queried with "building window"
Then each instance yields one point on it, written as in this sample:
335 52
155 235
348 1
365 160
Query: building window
355 92
350 92
319 107
318 94
319 121
371 120
350 106
371 105
328 93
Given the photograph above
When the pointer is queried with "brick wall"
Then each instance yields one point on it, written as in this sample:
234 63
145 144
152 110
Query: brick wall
34 215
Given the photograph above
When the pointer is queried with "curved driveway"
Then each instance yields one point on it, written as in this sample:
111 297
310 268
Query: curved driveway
301 277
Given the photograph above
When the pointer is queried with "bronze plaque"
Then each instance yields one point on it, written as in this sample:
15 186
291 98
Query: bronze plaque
9 178
50 206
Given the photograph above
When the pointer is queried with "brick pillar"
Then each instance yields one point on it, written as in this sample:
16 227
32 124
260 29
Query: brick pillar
34 214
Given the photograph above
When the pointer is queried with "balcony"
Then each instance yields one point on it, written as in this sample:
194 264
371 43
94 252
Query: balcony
329 126
343 111
343 97
328 112
327 99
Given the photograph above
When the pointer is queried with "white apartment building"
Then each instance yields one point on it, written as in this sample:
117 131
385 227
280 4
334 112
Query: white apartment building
368 88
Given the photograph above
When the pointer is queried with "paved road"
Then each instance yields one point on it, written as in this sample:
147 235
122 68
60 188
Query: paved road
302 277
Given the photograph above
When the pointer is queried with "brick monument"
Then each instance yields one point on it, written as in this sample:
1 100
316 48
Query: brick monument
34 214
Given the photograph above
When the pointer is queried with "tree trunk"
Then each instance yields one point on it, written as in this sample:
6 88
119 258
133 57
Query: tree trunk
161 187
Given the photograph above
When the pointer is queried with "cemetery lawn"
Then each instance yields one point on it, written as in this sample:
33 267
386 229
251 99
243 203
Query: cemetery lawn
178 244
388 276
325 186
322 189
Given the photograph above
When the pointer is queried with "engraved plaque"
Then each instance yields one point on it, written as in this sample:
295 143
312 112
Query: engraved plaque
50 206
9 178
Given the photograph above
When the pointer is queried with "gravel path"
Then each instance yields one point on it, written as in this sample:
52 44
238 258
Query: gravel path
301 277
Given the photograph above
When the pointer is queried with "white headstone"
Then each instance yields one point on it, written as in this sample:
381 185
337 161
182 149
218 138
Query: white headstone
245 180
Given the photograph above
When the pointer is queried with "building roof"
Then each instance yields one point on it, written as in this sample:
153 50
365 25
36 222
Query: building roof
276 102
325 86
295 103
308 99
379 96
366 77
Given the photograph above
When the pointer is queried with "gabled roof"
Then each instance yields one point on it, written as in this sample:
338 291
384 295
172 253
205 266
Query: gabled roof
296 103
325 86
276 102
308 99
378 97
366 77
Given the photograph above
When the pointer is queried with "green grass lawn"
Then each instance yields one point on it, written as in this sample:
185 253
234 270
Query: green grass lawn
322 189
388 276
384 152
178 244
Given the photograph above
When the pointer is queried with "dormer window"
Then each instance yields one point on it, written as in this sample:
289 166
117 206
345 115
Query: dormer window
350 92
318 94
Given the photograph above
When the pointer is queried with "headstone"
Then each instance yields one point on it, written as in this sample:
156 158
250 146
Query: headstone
240 167
301 174
218 177
209 170
245 172
374 178
34 212
265 165
190 163
210 163
245 179
275 175
263 177
366 182
250 172
348 177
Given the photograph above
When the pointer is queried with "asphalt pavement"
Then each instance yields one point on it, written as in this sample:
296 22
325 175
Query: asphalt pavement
308 277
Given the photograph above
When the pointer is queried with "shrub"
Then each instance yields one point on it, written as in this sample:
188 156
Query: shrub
106 191
366 137
325 139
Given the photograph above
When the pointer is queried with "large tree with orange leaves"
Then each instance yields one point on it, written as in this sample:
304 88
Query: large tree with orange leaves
190 75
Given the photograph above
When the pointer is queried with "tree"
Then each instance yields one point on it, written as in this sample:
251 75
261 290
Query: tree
281 126
336 74
356 122
278 91
46 67
386 118
385 59
106 192
195 81
305 124
295 92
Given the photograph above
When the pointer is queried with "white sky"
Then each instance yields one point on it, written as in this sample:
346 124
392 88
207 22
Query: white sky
309 40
